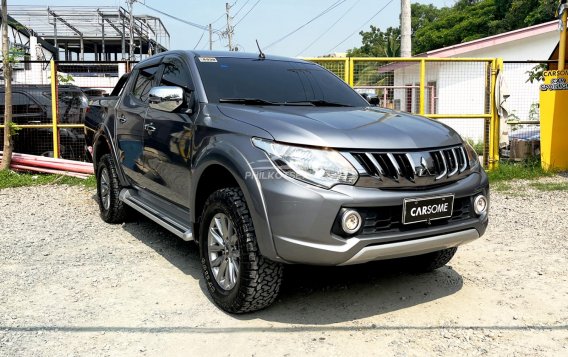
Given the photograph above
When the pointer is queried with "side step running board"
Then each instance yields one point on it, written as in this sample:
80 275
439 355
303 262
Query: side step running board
130 198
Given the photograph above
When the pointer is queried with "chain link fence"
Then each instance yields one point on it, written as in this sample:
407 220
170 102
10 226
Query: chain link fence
520 126
339 66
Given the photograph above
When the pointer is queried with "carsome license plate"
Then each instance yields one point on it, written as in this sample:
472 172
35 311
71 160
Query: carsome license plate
416 210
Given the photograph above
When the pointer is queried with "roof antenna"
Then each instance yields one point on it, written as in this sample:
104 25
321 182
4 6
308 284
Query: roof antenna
261 54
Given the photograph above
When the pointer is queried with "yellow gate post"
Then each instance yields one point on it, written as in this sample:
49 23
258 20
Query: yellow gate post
54 111
553 108
351 72
422 99
494 125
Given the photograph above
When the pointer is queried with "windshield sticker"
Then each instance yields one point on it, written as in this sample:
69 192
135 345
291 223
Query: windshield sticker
208 59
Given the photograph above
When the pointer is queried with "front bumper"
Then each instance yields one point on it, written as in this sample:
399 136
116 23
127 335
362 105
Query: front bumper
301 218
358 252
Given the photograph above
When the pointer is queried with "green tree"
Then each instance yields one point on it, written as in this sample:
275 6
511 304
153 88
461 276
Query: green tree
466 20
515 14
377 43
463 22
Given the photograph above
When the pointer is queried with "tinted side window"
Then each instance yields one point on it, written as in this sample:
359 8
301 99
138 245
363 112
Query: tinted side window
21 105
175 74
144 82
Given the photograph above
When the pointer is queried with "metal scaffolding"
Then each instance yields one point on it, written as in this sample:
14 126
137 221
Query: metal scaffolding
93 33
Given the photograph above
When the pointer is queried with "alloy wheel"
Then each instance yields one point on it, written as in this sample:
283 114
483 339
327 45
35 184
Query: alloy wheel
223 251
105 188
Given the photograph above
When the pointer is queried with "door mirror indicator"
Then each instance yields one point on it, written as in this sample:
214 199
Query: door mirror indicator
166 98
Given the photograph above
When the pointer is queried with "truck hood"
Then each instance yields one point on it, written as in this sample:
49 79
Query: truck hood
354 128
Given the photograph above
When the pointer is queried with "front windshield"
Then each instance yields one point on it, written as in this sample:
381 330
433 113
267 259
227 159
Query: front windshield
273 81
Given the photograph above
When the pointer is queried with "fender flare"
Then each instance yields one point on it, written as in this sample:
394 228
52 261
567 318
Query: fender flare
234 161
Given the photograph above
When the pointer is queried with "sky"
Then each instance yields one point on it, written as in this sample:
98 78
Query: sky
271 22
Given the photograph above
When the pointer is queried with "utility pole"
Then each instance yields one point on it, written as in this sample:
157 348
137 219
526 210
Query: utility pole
229 27
131 30
405 29
210 38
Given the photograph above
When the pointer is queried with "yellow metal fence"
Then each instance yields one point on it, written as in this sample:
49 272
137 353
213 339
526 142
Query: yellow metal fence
456 91
50 104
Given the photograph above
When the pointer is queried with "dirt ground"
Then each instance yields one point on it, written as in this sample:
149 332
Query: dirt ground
71 285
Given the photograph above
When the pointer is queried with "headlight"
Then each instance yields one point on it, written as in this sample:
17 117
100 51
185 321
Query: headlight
320 167
472 157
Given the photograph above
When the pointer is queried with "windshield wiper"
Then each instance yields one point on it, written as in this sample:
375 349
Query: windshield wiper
249 101
320 103
258 101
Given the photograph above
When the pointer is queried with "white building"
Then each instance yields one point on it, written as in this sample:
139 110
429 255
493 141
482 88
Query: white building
90 43
461 88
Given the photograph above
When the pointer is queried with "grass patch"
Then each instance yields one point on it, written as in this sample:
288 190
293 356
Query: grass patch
501 186
16 179
528 170
550 186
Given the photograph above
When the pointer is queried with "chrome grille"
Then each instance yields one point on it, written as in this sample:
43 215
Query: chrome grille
409 169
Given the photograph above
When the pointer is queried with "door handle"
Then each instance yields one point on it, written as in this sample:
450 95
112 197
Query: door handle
122 119
150 128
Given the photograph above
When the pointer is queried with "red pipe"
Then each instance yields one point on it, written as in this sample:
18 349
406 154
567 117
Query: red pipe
48 171
52 163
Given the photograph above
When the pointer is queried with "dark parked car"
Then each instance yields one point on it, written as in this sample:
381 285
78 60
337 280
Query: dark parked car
267 161
31 104
94 92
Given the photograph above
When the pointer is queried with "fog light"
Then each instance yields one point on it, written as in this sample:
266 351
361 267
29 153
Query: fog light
350 221
480 205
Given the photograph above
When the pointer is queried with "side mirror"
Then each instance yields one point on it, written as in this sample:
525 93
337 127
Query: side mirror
166 98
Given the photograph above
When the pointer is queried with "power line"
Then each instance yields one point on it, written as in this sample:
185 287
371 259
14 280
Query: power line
217 19
201 27
248 12
198 42
331 7
357 30
329 28
239 10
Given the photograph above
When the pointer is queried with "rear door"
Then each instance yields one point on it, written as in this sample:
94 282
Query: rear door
130 113
168 139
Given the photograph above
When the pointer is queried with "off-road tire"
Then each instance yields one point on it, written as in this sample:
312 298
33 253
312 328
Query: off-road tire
117 212
259 279
431 261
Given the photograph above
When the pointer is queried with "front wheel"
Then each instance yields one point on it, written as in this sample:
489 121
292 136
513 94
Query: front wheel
238 277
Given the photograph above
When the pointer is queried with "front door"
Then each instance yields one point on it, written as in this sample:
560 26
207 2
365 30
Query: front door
168 138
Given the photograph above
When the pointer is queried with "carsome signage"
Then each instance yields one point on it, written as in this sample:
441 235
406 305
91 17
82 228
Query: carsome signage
553 120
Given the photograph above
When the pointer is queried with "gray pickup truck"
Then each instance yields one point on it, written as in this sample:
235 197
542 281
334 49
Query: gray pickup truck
265 161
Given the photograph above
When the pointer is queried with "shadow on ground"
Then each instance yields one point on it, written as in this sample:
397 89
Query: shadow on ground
325 295
318 295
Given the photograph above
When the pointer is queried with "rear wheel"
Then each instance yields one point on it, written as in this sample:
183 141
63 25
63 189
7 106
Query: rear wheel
430 261
111 207
238 277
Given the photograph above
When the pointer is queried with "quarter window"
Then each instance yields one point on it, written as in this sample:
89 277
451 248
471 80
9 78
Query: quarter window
175 74
144 82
